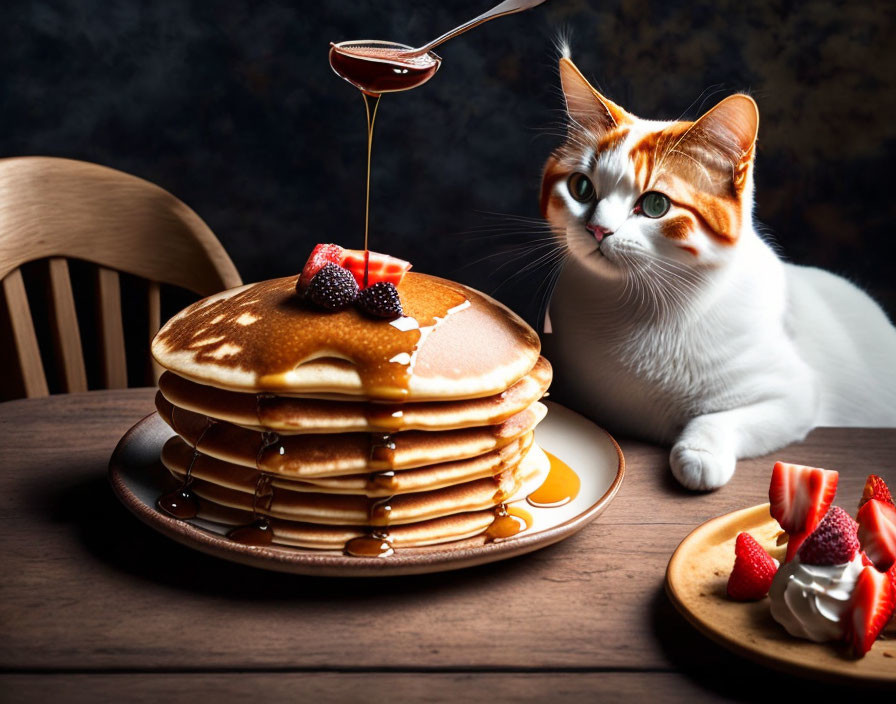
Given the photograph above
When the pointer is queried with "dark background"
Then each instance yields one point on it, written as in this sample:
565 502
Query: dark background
232 107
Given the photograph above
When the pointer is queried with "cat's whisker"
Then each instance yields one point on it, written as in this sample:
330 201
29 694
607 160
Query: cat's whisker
522 255
543 260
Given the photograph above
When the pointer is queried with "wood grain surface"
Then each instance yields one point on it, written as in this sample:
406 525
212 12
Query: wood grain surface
90 595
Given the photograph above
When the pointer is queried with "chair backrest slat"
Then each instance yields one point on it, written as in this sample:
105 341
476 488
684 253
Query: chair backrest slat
24 338
154 306
66 333
115 368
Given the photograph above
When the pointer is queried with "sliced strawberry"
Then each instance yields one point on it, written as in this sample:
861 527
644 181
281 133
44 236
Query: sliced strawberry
877 533
875 488
800 497
754 570
321 255
379 267
871 607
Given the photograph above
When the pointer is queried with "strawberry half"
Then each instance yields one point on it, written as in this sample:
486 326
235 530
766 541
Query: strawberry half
875 488
321 255
800 497
754 570
871 607
877 533
380 267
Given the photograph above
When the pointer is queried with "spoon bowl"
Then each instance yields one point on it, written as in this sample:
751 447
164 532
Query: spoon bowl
378 67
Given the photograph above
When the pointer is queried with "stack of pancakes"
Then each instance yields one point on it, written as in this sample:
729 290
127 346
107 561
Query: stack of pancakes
328 430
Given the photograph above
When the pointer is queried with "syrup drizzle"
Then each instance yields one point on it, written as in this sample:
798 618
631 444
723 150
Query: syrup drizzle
259 532
182 503
382 449
380 482
371 118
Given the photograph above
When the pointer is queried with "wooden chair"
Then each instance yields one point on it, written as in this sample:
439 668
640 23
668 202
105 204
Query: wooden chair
59 209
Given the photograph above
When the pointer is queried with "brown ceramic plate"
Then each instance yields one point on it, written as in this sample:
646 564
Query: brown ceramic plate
696 582
137 478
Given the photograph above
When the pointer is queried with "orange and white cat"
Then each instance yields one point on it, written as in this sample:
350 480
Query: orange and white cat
672 319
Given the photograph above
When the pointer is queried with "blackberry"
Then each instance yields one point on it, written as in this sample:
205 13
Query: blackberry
381 300
333 288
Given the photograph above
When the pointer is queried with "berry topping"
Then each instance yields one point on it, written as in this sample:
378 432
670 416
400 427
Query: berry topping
871 607
333 288
834 542
877 533
875 488
800 497
321 255
381 300
754 570
380 267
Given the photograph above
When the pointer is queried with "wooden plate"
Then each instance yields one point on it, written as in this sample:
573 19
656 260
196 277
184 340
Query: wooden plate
138 478
696 581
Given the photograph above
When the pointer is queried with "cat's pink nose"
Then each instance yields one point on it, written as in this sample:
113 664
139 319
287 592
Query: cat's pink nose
599 231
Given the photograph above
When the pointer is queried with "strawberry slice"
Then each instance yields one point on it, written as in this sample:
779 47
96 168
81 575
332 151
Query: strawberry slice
877 533
800 497
380 267
754 570
321 255
871 607
875 488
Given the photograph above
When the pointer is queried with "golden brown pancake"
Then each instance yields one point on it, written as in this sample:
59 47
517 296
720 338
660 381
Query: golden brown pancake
338 509
452 343
289 414
303 456
177 456
322 537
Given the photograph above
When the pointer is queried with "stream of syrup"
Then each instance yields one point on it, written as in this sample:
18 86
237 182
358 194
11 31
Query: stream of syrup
375 68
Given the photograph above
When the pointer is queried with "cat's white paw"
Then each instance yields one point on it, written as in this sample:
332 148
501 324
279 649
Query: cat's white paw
701 469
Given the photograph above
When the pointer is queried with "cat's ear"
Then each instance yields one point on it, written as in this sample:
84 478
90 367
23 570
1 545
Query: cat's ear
587 107
726 134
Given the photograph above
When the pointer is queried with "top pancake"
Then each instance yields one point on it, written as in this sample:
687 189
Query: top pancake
452 343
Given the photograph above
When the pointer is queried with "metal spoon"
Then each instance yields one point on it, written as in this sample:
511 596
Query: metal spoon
358 61
508 7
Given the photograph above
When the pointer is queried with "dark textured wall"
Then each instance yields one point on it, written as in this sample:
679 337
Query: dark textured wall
232 106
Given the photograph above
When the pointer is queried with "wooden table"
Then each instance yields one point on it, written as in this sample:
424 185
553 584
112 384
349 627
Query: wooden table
96 606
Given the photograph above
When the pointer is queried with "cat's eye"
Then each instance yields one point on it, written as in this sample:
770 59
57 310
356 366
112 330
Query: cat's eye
580 187
654 204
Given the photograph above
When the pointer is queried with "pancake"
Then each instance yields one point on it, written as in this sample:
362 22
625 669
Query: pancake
178 457
337 430
287 414
310 535
453 343
302 456
335 509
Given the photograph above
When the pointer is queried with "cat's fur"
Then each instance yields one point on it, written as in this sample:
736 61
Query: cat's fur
688 329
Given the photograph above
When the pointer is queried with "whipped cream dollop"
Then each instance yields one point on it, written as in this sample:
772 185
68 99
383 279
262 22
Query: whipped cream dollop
811 601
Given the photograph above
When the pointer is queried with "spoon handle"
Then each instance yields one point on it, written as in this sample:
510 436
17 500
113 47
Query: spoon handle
508 7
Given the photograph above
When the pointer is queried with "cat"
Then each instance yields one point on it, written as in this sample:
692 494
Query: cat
672 319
